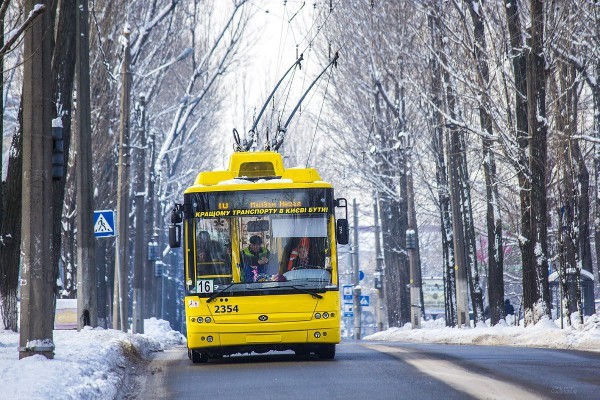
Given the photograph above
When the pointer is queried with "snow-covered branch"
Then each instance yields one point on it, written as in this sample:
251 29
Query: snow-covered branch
15 34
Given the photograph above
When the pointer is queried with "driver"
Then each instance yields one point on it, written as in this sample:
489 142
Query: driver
255 257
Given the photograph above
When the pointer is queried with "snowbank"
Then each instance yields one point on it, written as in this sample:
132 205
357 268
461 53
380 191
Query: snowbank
545 333
89 364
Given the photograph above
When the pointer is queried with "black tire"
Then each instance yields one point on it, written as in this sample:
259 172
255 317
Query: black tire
326 352
198 358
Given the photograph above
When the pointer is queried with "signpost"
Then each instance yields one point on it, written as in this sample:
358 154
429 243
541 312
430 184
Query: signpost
348 310
347 292
364 301
104 223
433 296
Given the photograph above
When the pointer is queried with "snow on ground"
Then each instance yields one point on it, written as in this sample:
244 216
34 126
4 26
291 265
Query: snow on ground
90 364
93 363
545 333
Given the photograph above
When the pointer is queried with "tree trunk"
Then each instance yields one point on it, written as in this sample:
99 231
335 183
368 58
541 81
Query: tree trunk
2 16
493 216
63 71
10 252
441 177
519 63
396 295
466 211
536 296
596 95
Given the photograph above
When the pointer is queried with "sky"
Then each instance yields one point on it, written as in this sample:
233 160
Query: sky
277 31
92 363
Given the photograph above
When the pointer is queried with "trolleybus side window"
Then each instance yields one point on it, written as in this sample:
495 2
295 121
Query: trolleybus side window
211 254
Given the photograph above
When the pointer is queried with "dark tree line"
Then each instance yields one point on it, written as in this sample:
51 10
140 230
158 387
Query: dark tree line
172 41
502 101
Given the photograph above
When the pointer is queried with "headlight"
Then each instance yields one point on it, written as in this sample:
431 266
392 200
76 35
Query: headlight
318 315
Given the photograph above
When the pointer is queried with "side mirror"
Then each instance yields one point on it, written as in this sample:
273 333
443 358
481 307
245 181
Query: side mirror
341 226
341 231
174 236
174 227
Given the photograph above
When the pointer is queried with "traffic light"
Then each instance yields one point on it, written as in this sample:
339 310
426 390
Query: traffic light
58 155
378 280
411 239
152 250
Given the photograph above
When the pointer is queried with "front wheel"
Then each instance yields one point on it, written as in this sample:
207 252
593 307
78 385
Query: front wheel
198 357
326 352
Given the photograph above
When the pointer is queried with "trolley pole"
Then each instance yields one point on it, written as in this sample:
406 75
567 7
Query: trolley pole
120 299
140 237
356 279
379 266
87 299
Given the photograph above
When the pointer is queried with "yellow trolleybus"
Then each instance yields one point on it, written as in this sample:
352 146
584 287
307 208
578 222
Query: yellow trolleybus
260 259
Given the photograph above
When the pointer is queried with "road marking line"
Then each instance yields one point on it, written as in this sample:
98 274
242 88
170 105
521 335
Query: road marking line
462 379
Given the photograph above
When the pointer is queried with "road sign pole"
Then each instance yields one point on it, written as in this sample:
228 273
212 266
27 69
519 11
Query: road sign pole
379 266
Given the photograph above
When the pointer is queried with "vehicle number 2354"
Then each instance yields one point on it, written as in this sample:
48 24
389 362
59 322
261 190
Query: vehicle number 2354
220 309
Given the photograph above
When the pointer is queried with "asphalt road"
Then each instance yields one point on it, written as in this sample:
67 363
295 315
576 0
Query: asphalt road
379 370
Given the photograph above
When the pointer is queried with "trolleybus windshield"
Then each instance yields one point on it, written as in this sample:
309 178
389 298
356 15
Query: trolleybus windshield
270 241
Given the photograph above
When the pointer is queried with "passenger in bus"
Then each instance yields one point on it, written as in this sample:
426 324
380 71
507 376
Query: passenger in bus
255 258
299 255
208 250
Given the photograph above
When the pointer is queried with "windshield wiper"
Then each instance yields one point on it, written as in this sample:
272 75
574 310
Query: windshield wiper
313 294
215 294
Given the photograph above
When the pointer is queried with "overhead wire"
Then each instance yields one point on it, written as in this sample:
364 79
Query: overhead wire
318 118
309 38
308 49
277 102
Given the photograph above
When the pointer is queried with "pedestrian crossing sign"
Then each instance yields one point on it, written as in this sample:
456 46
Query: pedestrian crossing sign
364 301
104 223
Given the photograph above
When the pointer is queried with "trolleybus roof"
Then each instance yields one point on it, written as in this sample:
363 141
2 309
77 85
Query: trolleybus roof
261 168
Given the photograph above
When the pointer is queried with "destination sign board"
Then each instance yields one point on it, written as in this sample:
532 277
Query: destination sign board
263 202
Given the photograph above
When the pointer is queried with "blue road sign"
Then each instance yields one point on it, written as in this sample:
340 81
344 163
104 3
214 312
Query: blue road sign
364 301
348 310
104 223
347 292
361 275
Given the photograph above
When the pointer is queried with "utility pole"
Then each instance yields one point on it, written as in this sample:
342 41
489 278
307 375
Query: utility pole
460 259
379 273
150 307
120 297
87 309
160 266
411 246
140 237
37 277
357 290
